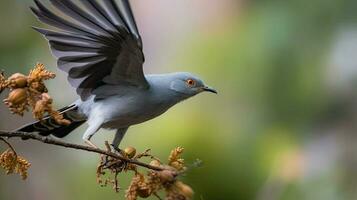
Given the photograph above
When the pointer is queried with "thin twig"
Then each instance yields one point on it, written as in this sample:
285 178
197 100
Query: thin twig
157 196
48 140
10 146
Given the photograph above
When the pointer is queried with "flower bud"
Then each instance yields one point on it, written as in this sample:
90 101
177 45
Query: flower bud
18 80
167 175
177 165
17 96
155 163
130 152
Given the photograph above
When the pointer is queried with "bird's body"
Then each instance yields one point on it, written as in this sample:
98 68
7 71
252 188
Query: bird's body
101 50
130 106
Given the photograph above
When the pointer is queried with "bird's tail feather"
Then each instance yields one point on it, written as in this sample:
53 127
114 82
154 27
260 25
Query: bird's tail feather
47 126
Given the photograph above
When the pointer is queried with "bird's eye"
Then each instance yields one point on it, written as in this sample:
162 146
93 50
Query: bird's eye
190 82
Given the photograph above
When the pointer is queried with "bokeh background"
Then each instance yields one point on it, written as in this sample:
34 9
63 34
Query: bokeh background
282 127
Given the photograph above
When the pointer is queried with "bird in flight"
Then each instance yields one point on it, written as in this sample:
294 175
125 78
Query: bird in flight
98 45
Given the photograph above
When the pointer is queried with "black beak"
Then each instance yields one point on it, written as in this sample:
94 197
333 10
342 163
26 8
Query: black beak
209 89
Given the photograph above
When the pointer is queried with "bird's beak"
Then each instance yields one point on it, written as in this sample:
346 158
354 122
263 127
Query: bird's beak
209 89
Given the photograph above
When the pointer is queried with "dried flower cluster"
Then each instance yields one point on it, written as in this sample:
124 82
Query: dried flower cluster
154 181
30 91
12 163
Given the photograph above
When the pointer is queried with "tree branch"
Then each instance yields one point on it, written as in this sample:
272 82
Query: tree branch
48 140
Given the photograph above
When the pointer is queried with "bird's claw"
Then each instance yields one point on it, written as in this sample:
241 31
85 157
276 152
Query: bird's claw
117 149
89 143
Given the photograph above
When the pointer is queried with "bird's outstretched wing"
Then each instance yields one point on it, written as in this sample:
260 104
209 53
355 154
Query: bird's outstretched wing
97 43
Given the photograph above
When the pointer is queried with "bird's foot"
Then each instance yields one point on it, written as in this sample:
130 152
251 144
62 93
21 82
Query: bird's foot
89 143
117 150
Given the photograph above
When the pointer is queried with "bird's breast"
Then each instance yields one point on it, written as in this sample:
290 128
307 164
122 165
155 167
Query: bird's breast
125 111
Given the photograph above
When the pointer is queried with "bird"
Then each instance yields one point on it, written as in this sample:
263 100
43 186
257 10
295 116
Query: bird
98 45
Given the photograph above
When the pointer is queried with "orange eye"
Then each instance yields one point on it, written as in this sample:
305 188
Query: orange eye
190 82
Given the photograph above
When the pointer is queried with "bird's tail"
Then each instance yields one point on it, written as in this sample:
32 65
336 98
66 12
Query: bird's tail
47 126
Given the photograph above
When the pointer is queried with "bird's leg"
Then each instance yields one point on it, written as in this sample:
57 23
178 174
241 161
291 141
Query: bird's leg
92 129
117 149
117 139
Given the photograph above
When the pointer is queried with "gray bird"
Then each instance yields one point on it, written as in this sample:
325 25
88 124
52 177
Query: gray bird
99 46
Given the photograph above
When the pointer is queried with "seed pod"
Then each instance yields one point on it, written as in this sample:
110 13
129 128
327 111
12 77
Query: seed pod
130 152
185 189
17 96
18 80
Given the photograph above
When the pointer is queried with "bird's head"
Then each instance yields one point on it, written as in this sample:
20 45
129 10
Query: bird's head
188 85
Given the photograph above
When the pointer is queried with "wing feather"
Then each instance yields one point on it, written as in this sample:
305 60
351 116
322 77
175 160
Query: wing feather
79 15
67 66
96 46
101 14
121 12
48 17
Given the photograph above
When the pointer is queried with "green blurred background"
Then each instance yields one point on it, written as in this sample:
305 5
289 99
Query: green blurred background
282 127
